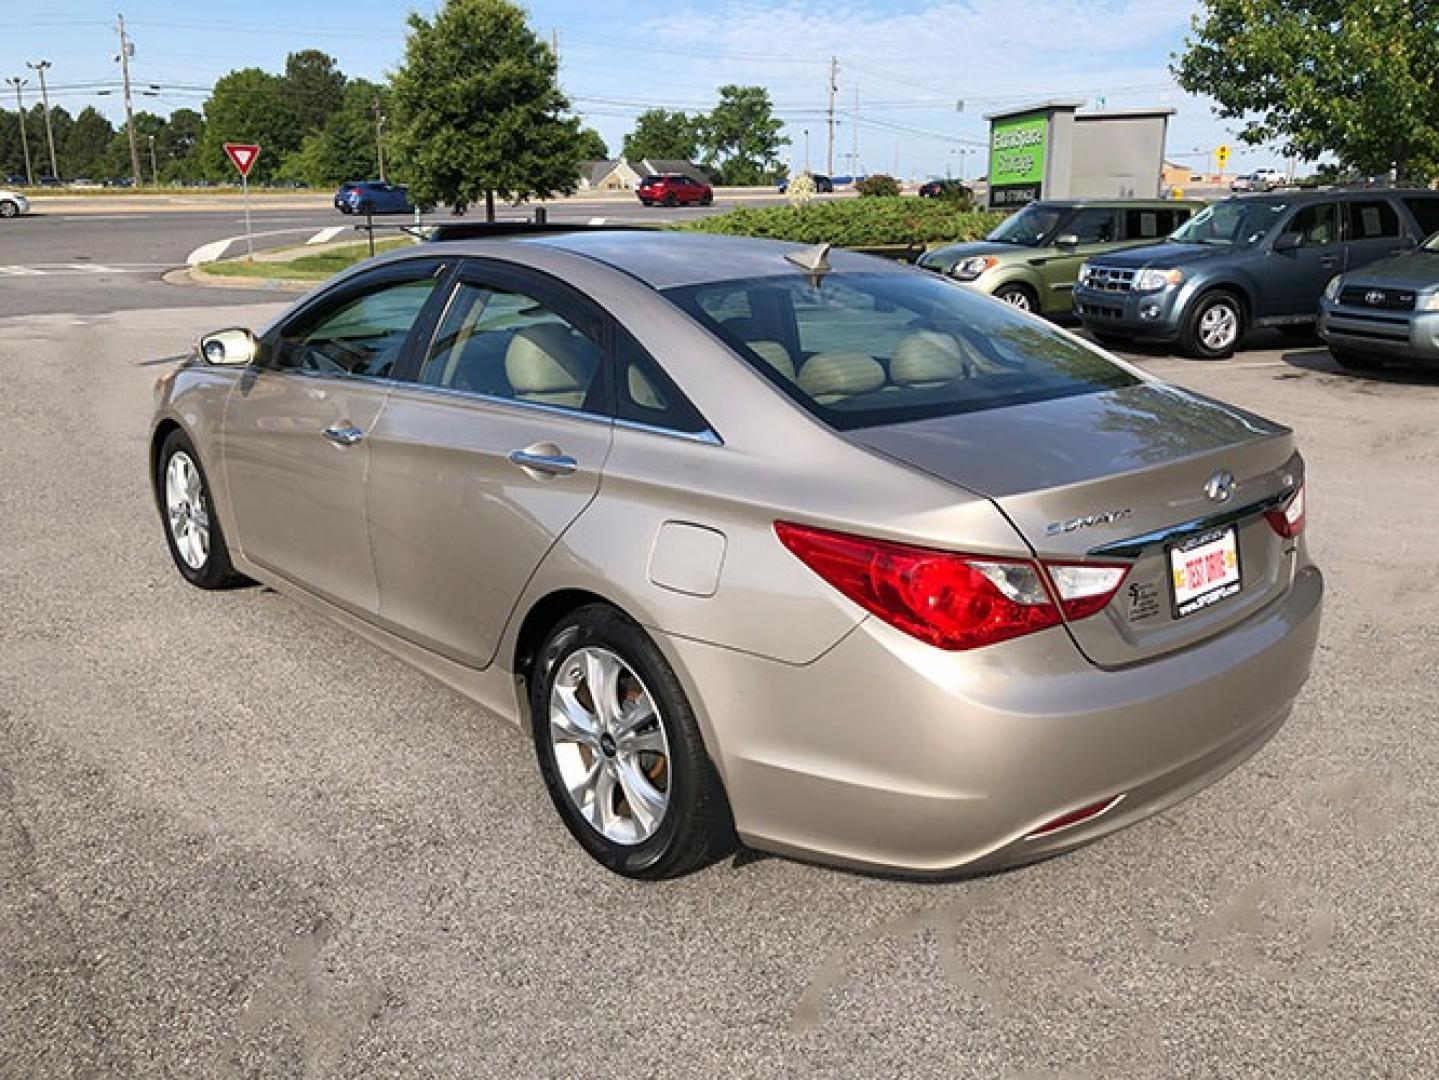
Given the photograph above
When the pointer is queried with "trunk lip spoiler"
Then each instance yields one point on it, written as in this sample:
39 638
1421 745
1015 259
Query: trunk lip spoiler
1135 546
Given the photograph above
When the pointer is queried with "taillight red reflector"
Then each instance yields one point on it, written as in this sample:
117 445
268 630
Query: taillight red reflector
1288 522
1074 817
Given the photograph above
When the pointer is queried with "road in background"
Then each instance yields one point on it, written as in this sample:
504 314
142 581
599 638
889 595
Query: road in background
238 840
109 254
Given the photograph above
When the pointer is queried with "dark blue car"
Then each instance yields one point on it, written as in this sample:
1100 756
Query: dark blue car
373 197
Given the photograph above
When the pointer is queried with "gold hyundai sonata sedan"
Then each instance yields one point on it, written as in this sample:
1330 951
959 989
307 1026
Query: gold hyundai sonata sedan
789 545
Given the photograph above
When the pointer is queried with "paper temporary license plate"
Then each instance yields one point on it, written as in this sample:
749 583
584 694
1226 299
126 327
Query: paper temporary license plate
1204 571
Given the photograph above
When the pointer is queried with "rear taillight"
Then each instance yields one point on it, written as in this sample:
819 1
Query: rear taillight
1288 521
947 599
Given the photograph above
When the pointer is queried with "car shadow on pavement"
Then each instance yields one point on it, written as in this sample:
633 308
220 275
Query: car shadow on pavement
1320 362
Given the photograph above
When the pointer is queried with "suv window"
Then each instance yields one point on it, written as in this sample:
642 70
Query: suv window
1426 212
1093 225
1317 224
859 350
508 345
1373 220
1150 223
364 335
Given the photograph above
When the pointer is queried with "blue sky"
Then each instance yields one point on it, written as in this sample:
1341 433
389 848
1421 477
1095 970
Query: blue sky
909 63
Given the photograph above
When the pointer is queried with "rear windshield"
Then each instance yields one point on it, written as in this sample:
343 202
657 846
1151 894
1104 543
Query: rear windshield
860 350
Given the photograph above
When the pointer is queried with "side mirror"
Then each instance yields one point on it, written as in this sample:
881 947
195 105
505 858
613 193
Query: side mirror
230 348
1290 241
1068 240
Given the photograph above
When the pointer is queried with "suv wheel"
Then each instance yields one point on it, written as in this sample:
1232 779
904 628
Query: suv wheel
1214 327
1018 296
621 752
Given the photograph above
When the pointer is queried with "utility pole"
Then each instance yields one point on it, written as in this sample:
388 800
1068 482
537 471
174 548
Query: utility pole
17 83
380 140
833 86
127 50
854 168
39 68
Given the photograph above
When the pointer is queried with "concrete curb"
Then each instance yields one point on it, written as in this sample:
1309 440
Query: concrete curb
193 275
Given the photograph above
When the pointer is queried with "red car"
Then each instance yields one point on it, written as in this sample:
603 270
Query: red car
674 189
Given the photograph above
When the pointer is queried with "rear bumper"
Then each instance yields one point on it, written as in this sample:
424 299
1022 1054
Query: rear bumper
1406 335
885 753
1153 316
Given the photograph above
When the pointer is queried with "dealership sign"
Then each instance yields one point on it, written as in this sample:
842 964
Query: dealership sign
1016 159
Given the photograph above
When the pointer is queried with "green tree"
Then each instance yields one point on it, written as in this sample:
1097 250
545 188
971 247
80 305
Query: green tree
477 109
315 86
116 159
593 146
1358 78
345 149
662 135
86 144
248 106
741 137
179 153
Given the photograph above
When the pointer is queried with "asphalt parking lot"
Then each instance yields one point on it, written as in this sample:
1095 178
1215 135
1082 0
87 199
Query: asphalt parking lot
238 841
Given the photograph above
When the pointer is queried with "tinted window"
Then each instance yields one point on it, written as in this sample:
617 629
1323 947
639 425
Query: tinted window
364 335
864 349
646 395
1375 220
509 345
1316 224
1150 224
1029 226
1426 213
1093 226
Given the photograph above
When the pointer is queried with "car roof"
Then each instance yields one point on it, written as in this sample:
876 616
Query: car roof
666 259
1119 204
1316 194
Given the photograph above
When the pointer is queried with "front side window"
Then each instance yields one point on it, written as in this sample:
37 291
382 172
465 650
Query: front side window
1317 224
506 344
860 350
1231 223
364 335
1093 226
1029 227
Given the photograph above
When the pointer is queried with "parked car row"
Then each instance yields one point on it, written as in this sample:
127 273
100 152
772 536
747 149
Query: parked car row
1253 261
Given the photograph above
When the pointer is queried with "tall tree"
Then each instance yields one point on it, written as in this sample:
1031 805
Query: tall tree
1358 78
345 149
86 143
663 135
249 106
477 109
742 137
315 86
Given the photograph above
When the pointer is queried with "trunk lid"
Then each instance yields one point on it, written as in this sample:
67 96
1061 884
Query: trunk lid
1120 477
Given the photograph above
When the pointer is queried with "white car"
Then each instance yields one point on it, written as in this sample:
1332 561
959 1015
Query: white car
13 204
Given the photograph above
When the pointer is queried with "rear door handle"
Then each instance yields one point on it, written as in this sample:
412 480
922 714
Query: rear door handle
549 464
343 435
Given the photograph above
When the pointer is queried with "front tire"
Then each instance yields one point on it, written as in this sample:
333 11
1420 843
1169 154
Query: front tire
670 200
620 750
1018 296
1213 327
192 530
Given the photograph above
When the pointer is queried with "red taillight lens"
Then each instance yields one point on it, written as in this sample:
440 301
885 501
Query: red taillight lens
946 599
1289 521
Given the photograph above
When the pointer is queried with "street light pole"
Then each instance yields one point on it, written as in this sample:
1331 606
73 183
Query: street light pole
39 68
380 139
806 150
154 169
17 83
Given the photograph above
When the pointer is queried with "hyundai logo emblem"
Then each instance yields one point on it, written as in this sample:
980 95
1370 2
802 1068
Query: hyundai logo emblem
1220 486
1374 296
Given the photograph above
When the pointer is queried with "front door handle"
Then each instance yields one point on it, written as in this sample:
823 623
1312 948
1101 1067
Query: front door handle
1329 262
556 464
343 434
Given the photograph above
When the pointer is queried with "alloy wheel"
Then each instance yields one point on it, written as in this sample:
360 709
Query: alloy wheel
186 511
1219 327
1017 298
609 745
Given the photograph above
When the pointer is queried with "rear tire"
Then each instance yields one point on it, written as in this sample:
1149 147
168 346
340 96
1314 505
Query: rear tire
1353 361
633 738
1213 327
192 528
9 209
670 200
707 200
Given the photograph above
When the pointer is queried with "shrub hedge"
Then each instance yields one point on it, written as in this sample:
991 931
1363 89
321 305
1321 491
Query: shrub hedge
879 185
856 222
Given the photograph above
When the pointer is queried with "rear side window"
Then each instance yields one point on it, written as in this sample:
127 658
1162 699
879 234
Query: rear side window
1375 220
860 350
1426 212
1151 224
644 393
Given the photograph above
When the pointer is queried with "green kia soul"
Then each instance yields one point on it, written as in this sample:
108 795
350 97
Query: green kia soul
1033 258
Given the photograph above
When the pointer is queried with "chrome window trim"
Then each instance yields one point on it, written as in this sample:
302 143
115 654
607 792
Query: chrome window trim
708 436
1135 546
